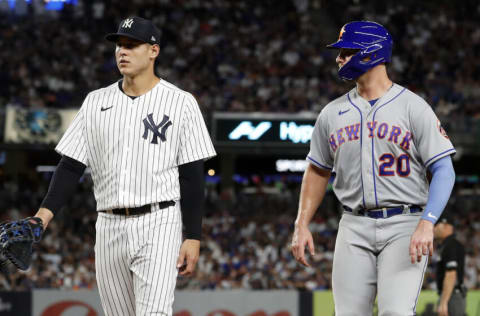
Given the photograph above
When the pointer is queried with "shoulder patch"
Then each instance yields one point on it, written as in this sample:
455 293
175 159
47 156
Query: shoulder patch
451 264
441 129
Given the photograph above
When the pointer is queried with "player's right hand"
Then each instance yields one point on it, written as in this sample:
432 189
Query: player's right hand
442 309
302 237
46 215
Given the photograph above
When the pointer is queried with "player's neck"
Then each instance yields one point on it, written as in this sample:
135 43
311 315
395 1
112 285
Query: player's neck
139 84
374 83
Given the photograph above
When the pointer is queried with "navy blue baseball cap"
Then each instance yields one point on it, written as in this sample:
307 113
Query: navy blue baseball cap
137 28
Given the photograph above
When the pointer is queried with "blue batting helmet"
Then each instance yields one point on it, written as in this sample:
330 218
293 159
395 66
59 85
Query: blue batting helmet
372 40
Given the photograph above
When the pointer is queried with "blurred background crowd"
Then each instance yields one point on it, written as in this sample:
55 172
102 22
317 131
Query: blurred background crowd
236 56
242 55
246 237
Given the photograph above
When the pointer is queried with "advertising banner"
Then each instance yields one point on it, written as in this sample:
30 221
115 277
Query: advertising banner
15 303
66 303
187 303
36 126
265 129
236 303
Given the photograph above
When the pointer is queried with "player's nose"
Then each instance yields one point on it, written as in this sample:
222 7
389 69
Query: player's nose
121 50
339 59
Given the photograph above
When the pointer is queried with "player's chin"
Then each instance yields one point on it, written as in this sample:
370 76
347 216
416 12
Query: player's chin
125 70
121 69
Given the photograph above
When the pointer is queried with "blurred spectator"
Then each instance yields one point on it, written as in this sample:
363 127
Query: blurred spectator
240 55
246 238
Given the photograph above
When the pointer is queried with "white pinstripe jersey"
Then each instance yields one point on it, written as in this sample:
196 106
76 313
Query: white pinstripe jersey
134 147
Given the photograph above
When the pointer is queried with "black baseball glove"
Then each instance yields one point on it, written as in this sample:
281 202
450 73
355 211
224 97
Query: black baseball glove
16 239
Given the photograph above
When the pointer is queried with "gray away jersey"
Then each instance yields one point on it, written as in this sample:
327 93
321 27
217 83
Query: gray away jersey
379 153
134 147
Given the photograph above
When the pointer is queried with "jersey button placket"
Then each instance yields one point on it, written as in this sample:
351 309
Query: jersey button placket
128 157
367 172
127 142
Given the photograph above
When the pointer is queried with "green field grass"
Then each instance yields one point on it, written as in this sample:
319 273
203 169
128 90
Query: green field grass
323 303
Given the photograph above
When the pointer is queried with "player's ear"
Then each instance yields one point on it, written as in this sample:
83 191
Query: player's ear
155 51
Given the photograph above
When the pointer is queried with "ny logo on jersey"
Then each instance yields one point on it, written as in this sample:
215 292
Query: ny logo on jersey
127 23
150 125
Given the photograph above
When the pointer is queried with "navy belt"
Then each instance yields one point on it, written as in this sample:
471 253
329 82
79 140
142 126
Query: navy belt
138 210
385 212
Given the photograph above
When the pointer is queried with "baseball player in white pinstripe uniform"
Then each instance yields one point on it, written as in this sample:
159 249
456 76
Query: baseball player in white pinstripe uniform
145 141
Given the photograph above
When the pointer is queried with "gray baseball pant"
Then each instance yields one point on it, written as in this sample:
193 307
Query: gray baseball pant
372 258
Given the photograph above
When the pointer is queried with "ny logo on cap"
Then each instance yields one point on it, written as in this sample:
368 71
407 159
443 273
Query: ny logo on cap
127 23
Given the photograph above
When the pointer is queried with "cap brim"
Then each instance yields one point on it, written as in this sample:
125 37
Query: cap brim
113 37
345 44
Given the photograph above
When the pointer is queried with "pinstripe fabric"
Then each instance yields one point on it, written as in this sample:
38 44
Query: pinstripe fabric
128 170
140 250
114 277
134 148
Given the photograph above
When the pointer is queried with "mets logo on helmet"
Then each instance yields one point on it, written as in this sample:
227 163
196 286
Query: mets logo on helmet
341 33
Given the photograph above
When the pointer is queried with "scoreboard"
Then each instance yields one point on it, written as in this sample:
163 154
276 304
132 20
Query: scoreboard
262 129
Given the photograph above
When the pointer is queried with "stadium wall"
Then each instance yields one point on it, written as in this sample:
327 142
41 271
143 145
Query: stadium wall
46 302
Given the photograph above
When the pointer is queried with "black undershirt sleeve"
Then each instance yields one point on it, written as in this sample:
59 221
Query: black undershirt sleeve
192 197
450 258
63 183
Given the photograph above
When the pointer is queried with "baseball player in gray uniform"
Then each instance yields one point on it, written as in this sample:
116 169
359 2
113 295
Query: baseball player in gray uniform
145 141
377 140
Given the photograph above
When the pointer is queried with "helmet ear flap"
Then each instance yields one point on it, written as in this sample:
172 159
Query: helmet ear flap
371 49
368 54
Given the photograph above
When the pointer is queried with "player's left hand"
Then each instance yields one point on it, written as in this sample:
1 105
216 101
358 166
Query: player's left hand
188 257
421 243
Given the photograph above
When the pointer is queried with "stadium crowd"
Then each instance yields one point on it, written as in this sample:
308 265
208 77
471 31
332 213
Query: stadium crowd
246 238
241 55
